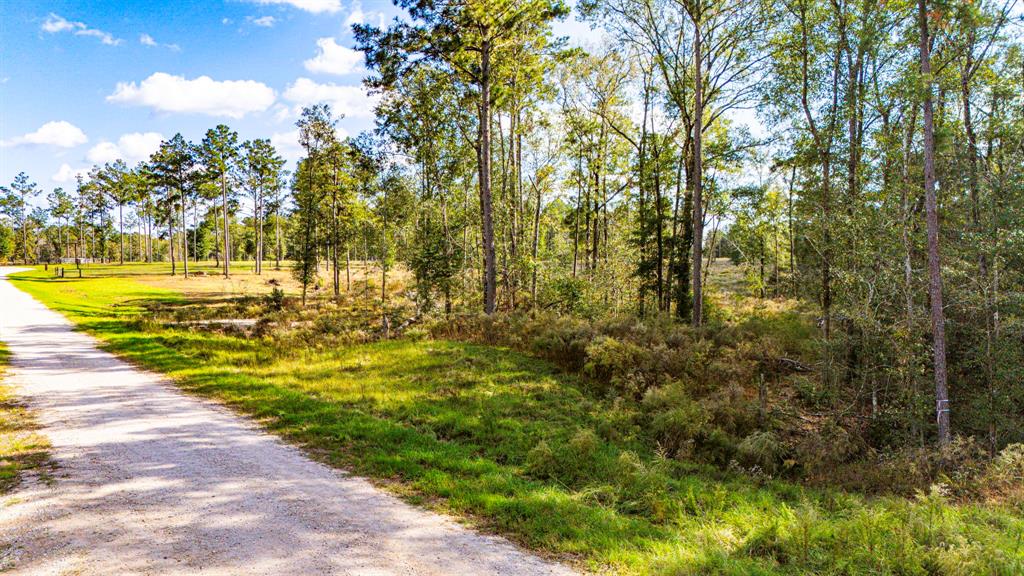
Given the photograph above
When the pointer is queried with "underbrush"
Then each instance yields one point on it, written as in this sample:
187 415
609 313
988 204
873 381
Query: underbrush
744 394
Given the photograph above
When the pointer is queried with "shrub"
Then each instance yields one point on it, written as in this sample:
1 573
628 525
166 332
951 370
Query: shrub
624 367
562 340
643 488
575 462
1007 470
674 419
416 333
716 447
275 300
761 451
620 422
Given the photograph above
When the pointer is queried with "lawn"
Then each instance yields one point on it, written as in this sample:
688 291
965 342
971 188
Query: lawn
512 446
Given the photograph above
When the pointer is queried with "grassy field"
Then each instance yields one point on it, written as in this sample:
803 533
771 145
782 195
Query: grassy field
22 449
206 277
511 445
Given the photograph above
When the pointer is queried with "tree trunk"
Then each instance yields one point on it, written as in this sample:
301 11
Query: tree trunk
120 227
534 249
256 232
24 228
792 233
698 176
217 250
227 230
484 164
684 305
170 240
277 241
932 216
659 219
336 276
576 219
184 236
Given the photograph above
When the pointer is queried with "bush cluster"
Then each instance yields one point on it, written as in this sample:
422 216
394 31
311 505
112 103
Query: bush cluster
743 394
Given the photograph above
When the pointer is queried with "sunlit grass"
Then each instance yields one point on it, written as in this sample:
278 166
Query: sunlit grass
461 427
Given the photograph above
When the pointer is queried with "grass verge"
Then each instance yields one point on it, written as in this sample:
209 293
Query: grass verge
508 442
22 449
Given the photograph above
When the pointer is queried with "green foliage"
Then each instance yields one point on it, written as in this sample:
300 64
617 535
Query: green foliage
674 419
620 365
276 298
6 242
763 451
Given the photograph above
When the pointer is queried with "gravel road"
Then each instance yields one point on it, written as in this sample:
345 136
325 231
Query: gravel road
152 481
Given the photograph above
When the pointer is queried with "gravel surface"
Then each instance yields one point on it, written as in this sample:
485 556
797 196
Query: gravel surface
151 481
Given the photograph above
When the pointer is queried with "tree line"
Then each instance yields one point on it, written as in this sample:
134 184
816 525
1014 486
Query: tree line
511 172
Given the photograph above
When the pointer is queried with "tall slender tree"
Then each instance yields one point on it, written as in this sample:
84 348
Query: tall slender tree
24 190
470 40
219 154
173 167
938 313
261 175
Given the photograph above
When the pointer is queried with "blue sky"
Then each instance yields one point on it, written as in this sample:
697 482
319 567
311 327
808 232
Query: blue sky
84 82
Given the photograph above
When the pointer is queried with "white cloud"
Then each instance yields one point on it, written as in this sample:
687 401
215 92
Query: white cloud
55 24
333 58
265 21
58 133
103 152
287 144
132 147
356 15
282 112
147 40
139 145
314 6
66 174
167 93
350 100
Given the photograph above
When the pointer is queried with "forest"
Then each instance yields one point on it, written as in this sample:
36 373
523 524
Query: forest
780 240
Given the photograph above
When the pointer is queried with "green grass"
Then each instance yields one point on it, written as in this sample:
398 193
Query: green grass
517 448
22 450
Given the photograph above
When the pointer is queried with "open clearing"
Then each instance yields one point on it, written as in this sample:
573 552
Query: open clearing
154 482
